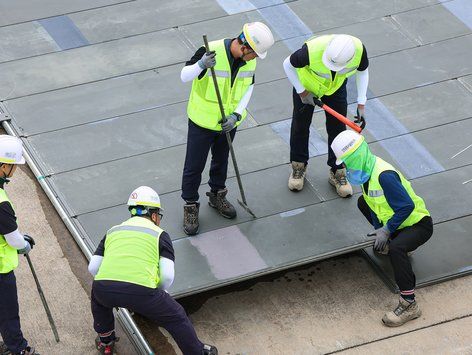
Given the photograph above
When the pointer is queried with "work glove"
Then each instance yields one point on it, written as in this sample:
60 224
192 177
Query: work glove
207 61
230 122
29 245
308 99
360 118
381 239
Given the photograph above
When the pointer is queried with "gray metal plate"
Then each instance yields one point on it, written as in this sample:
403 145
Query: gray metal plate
92 63
446 255
25 10
258 186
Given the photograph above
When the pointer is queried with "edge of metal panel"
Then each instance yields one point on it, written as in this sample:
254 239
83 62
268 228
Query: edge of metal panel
308 260
427 282
380 273
123 316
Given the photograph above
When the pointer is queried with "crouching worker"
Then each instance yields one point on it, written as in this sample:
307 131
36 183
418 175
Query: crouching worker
400 218
133 267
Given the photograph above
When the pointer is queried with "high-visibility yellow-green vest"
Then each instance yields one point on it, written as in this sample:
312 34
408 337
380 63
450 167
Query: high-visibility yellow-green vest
132 253
378 203
316 77
203 107
8 254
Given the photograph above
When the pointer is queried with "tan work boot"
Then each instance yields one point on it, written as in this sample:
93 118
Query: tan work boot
339 181
297 176
404 312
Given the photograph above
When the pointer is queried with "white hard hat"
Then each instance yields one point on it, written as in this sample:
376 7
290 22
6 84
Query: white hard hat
339 52
144 196
11 150
259 37
345 142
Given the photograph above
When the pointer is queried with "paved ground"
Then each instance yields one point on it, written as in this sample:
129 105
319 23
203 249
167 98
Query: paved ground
323 308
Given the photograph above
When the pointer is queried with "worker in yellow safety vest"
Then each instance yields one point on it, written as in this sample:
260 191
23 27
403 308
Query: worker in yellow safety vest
133 268
234 62
400 218
320 69
12 243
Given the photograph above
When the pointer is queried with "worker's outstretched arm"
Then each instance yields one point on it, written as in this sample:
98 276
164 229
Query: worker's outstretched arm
293 76
166 273
362 82
97 258
15 239
245 100
398 199
190 72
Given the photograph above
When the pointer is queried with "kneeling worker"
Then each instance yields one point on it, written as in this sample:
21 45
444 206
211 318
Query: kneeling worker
12 243
235 64
400 218
133 267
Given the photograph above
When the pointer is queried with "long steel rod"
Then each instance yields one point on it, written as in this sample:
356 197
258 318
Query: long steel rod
123 315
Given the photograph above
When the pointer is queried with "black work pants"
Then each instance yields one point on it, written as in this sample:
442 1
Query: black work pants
199 142
10 328
301 121
154 304
401 242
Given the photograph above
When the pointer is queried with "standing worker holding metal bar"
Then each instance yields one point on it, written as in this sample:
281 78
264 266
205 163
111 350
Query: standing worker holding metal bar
12 243
319 69
133 268
400 218
234 63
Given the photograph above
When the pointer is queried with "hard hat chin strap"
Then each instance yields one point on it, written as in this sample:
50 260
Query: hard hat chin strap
5 179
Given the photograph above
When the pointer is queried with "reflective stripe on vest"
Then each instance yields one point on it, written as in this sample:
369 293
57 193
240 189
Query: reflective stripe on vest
132 253
316 77
203 108
378 203
8 254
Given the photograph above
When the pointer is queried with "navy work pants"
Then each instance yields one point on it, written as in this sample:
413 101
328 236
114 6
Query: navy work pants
10 328
199 143
154 304
301 121
401 242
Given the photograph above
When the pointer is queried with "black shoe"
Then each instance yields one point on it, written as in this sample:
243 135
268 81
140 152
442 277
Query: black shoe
218 200
191 225
28 351
209 350
105 348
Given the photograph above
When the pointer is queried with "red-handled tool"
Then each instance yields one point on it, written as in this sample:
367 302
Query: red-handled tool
340 117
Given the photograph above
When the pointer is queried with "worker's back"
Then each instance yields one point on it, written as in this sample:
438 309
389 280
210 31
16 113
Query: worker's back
132 253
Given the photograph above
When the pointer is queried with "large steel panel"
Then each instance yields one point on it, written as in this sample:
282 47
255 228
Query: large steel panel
92 63
26 10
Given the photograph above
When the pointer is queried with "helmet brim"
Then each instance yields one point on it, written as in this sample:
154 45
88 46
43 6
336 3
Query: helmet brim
339 161
261 55
22 161
330 65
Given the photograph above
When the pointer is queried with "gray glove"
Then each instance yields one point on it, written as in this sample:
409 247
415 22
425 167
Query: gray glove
308 99
207 61
29 245
381 239
230 122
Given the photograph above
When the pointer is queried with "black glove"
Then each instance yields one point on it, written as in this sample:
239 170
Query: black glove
29 245
30 240
360 118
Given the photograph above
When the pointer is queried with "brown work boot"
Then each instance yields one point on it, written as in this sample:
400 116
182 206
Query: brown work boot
297 176
339 181
404 312
191 225
218 200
